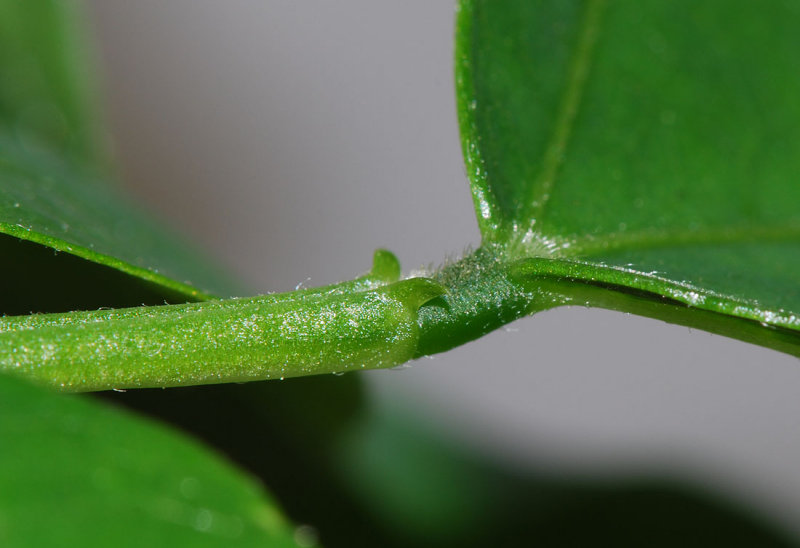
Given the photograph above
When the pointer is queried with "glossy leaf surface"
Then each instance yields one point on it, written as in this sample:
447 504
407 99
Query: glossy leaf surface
651 145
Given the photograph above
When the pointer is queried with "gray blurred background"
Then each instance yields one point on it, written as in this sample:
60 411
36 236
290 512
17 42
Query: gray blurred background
291 138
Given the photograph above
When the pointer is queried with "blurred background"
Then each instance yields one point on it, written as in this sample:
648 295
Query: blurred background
290 139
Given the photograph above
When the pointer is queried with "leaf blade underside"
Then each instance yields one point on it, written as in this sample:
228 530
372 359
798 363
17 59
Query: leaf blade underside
645 145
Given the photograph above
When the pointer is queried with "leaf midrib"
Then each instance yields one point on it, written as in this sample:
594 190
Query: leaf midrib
569 105
578 270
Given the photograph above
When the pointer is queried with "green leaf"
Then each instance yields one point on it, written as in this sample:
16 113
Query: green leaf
639 145
55 186
82 474
46 93
59 204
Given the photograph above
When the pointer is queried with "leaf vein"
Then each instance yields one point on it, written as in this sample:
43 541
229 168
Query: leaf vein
569 106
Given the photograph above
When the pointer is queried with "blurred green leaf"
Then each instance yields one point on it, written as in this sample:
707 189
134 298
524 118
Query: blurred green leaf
56 188
640 145
62 205
75 473
46 89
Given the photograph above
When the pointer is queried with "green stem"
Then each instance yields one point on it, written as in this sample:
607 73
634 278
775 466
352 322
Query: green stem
365 323
371 322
